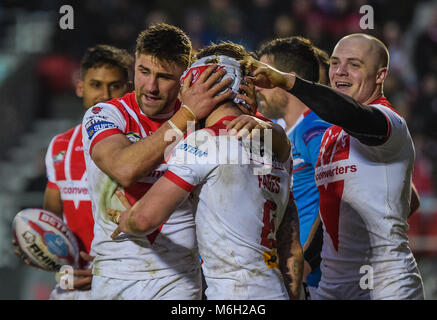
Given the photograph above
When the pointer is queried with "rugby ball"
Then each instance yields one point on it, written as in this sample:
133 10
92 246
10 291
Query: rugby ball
45 239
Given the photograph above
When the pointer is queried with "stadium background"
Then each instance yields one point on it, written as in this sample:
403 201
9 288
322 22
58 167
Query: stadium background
39 63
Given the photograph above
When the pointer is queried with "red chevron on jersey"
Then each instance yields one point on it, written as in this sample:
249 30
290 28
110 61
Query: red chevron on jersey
65 166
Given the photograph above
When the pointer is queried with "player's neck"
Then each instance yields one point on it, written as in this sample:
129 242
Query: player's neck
226 109
292 113
378 93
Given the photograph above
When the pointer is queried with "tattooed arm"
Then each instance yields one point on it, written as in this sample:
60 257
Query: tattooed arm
290 251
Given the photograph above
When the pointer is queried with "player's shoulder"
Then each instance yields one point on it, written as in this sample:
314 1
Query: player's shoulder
385 106
311 127
112 105
127 99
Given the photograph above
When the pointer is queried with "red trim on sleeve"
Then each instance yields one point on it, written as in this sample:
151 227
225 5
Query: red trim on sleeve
103 135
52 185
179 181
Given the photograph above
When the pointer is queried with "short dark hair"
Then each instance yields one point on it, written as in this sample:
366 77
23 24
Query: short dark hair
293 54
226 48
165 42
105 55
323 58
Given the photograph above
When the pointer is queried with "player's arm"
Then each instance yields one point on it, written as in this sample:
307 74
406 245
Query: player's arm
313 247
152 209
290 251
126 162
367 124
415 200
313 244
244 125
53 201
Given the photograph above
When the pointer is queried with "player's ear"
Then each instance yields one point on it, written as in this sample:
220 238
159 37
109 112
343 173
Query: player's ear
381 75
79 88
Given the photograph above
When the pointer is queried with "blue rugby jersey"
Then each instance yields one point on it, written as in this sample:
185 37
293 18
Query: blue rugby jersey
306 137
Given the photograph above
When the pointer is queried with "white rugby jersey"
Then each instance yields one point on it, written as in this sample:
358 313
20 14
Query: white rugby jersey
365 201
172 248
237 212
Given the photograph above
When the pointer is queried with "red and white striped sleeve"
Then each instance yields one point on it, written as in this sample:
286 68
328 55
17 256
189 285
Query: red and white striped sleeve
99 122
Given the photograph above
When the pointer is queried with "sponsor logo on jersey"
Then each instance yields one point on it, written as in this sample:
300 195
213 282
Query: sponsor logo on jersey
74 190
96 127
133 136
193 149
313 133
271 259
91 122
59 156
338 170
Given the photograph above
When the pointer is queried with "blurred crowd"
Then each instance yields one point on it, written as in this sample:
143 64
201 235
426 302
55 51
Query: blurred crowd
409 33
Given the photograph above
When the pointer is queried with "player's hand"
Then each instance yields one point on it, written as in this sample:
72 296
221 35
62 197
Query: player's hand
247 94
22 255
201 96
85 275
244 126
265 76
117 216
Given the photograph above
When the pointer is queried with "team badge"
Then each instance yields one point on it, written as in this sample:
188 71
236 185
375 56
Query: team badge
96 110
59 157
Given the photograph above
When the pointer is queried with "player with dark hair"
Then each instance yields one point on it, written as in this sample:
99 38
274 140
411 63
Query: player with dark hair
363 174
249 244
305 130
104 74
125 141
323 58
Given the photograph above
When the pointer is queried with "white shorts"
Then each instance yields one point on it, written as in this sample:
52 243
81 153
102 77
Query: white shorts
187 286
407 286
60 294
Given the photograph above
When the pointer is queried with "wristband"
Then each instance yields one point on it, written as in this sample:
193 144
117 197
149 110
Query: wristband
178 131
179 120
189 109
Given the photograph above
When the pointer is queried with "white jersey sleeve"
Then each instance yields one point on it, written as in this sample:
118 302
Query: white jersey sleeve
398 131
101 121
50 169
193 160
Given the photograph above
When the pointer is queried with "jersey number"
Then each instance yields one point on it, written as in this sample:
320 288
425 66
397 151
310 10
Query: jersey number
267 234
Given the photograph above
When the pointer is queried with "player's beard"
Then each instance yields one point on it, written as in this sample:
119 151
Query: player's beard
267 108
151 109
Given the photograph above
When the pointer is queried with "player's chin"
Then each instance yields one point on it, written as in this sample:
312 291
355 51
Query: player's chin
152 109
